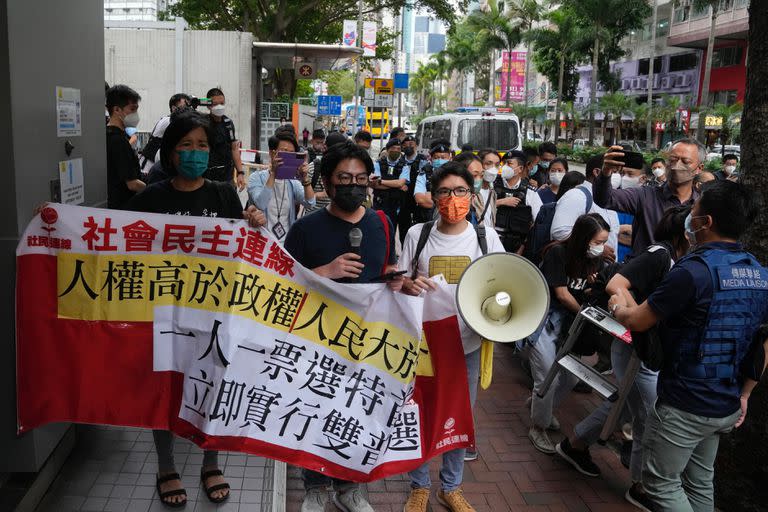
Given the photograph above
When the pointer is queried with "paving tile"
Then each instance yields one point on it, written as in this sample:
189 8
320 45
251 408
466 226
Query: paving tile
143 492
101 490
117 505
138 505
94 504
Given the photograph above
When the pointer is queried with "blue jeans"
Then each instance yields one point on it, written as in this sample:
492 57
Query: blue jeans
452 470
639 401
679 450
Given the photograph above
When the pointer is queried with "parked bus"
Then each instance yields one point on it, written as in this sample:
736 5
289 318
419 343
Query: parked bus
479 128
349 119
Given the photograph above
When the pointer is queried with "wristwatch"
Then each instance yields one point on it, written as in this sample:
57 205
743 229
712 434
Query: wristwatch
306 183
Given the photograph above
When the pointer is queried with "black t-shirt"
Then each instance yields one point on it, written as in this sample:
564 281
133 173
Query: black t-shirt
646 270
211 200
220 163
320 238
122 166
553 268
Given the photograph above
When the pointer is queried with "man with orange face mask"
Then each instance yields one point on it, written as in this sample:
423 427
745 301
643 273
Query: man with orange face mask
447 246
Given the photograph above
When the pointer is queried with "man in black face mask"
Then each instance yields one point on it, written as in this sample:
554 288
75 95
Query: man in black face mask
321 243
412 164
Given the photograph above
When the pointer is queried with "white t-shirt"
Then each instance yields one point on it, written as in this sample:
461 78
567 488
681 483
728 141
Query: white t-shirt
449 255
571 206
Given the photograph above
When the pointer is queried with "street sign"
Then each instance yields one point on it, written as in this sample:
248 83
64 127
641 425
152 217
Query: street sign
369 94
370 83
329 105
305 70
384 86
369 102
401 82
384 100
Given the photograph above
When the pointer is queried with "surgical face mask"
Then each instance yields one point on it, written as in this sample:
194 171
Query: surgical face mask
409 151
218 110
489 175
393 155
595 251
659 172
131 120
507 172
543 164
730 169
679 173
534 170
690 233
478 185
349 197
193 163
630 182
615 180
555 178
130 131
453 209
438 162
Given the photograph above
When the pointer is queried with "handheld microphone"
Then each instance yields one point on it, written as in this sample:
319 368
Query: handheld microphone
355 239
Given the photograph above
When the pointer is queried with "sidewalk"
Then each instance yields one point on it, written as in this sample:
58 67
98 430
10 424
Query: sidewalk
114 468
510 474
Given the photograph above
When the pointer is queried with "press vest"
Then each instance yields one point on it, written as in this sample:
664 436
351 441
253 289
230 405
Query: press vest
739 303
513 220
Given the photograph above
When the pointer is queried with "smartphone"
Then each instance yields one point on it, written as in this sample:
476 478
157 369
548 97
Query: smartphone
633 160
388 277
290 166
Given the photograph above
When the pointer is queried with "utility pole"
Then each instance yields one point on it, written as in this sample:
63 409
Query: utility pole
398 44
357 65
649 121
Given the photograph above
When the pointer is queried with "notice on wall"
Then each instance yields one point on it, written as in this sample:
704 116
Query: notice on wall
71 181
68 112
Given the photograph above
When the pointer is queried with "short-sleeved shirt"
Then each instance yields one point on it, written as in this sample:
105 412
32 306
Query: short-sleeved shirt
647 269
122 166
682 301
213 199
220 158
318 239
554 270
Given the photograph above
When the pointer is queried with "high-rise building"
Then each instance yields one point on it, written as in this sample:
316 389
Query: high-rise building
134 10
423 36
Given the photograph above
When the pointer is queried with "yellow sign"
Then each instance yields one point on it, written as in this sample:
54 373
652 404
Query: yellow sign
370 83
384 86
713 122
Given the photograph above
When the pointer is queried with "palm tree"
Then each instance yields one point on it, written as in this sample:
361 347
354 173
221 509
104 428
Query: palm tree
527 12
423 84
563 40
573 119
496 31
462 52
731 117
616 104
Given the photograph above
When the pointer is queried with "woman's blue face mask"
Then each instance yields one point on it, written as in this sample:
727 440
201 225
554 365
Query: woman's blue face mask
193 163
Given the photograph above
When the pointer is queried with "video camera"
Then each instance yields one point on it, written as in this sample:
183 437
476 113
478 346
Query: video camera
200 102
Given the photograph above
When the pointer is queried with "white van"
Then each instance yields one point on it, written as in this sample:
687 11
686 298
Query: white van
479 129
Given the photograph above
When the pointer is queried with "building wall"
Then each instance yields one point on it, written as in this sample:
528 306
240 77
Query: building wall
694 27
728 78
146 59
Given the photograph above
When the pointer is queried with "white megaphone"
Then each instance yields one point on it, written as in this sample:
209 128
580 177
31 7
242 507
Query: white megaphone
503 297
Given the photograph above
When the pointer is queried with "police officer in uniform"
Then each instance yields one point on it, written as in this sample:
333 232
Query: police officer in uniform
709 307
440 153
414 161
224 146
389 182
517 203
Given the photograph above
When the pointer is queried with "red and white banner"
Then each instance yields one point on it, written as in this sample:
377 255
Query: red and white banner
208 328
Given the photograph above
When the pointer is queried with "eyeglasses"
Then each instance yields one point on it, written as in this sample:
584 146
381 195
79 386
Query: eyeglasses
344 178
446 192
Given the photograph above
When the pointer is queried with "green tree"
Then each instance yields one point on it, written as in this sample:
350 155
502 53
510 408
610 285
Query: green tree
496 30
731 117
292 21
607 22
340 83
558 44
527 12
463 52
423 85
617 105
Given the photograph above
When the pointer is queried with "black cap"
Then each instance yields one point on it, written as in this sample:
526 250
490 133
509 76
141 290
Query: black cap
409 138
318 134
394 141
335 138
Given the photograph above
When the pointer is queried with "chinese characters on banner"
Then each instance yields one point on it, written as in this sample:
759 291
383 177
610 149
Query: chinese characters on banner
512 70
208 328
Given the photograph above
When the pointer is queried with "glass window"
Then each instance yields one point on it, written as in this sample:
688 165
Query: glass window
699 11
682 14
741 3
501 134
683 62
442 130
646 34
419 133
724 97
730 56
662 29
642 67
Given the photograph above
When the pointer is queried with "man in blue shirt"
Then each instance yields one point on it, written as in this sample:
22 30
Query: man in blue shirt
708 307
321 243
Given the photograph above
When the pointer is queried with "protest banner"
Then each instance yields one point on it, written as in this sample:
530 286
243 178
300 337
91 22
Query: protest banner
208 328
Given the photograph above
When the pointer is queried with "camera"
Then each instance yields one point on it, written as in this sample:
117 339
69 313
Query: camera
200 102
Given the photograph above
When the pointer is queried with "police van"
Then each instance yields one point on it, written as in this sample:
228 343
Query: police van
480 127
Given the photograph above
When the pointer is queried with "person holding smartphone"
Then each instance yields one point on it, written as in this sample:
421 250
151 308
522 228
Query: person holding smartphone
277 196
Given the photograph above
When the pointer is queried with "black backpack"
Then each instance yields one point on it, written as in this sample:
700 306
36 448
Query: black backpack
539 236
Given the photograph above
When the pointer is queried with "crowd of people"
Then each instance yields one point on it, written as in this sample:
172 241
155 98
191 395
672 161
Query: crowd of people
657 247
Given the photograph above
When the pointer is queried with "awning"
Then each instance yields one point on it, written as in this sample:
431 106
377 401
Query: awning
289 55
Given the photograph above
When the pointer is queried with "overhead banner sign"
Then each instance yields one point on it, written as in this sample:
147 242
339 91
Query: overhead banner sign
208 328
369 38
349 34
